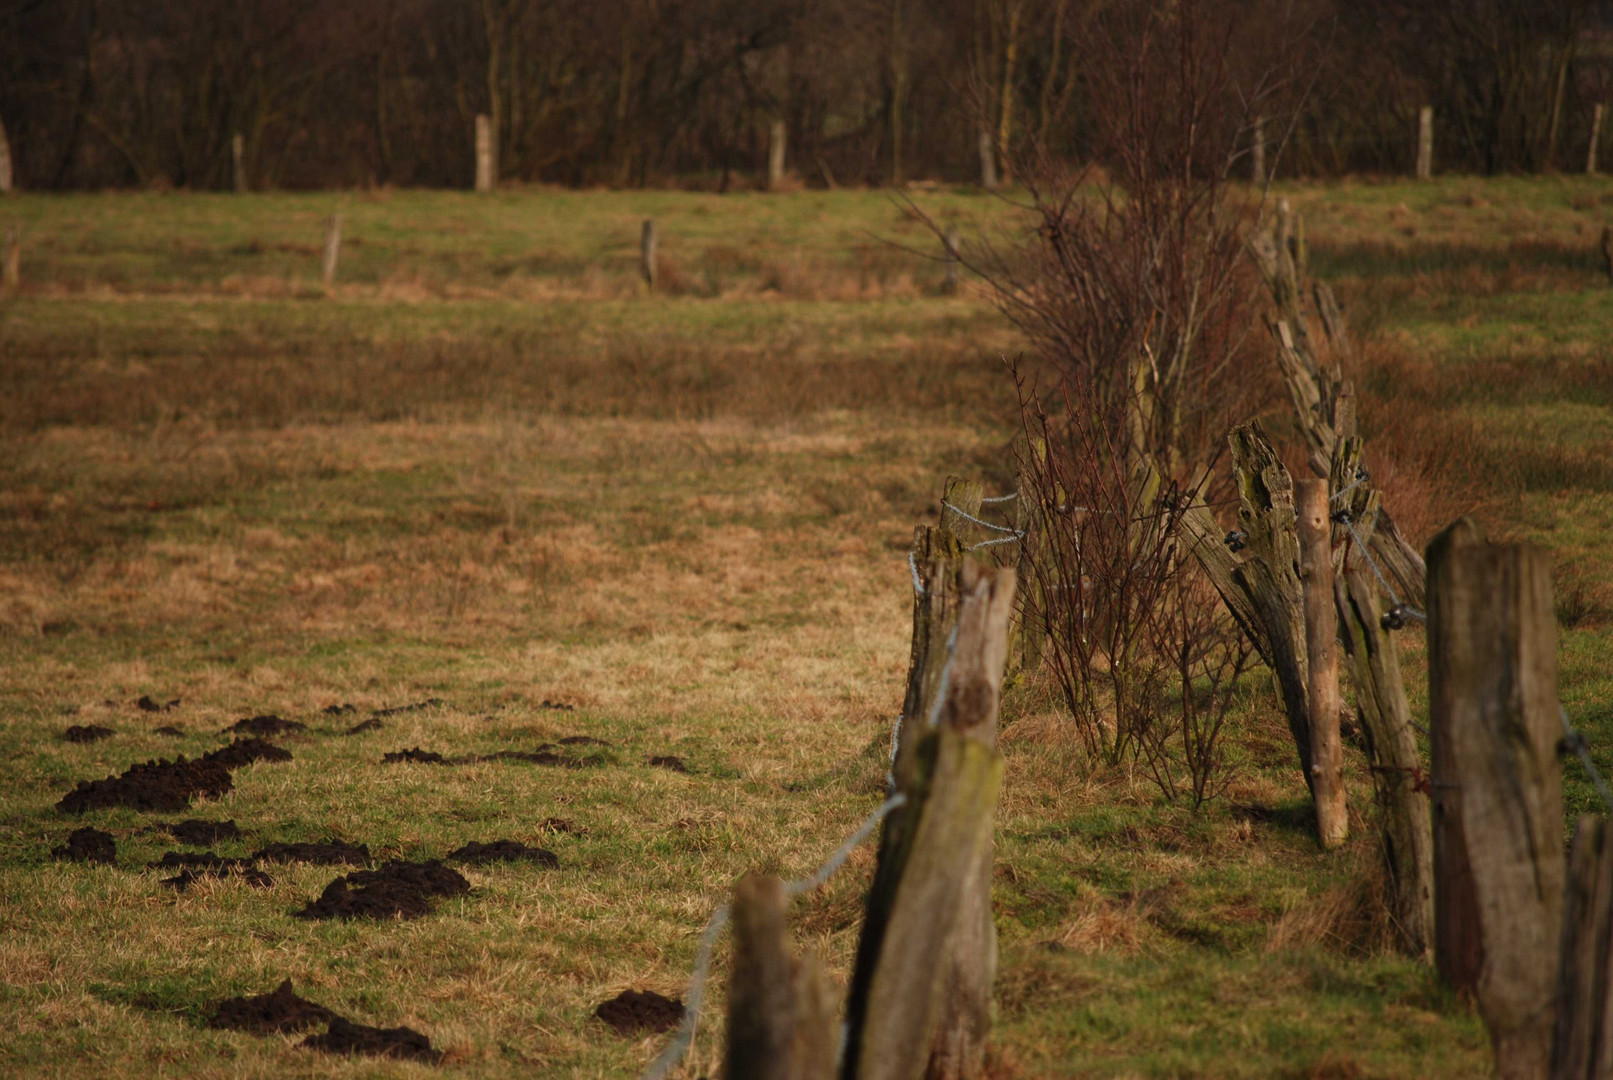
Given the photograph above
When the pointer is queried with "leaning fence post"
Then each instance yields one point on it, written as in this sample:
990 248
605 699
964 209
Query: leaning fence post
781 1012
1596 139
333 250
1322 662
1583 1048
1498 810
238 162
486 154
649 240
11 275
1425 142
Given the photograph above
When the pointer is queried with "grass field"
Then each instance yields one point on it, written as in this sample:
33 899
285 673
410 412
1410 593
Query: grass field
488 468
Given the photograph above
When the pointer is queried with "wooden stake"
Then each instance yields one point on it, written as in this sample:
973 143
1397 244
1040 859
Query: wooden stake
1498 806
11 275
7 177
1321 628
648 242
238 162
486 154
333 250
1584 1029
775 155
951 242
1257 155
988 161
1596 139
1425 142
781 1014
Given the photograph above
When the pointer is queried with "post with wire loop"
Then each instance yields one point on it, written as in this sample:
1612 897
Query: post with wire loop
1498 806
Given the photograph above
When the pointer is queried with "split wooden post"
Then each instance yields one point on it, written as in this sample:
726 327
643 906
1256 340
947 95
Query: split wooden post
781 1011
1257 152
7 169
920 996
1425 142
988 160
11 259
486 154
1498 807
1583 1047
648 242
952 241
775 155
238 162
1322 662
333 250
1596 139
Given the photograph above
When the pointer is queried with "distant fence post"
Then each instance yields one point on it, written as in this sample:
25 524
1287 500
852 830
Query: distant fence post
7 177
1498 820
648 242
988 160
1583 1047
1257 155
775 155
1321 627
951 241
781 1011
1425 142
238 162
1596 139
486 154
333 250
11 259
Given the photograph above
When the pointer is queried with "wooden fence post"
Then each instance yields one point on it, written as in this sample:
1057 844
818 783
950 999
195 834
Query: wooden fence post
1584 1031
1596 139
775 155
486 154
1498 809
781 1012
238 162
647 244
333 250
988 160
1322 662
919 1003
11 260
1425 142
7 170
951 241
1257 153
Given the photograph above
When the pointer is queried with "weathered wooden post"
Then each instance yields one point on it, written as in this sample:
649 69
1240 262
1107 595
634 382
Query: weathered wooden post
951 241
775 155
7 177
11 274
1425 142
1321 628
781 1012
486 154
1257 152
649 240
1498 808
238 162
1584 1031
1596 139
988 160
333 250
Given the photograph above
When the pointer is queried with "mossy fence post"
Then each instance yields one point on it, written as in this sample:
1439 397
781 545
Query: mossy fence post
1498 808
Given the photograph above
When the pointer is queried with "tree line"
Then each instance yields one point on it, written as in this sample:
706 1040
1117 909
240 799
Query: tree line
107 93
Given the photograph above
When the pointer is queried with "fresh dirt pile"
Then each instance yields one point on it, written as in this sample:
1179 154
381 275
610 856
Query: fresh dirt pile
346 1037
417 755
199 833
416 707
170 730
267 1014
245 752
89 845
557 706
146 704
372 724
634 1012
668 761
338 710
329 853
265 725
87 733
160 785
504 851
402 890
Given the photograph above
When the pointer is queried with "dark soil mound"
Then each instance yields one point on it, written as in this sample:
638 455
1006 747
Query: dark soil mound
329 853
346 1037
201 833
633 1012
186 878
83 733
504 851
265 1014
89 845
197 860
667 761
265 725
169 729
155 785
245 752
422 757
557 706
337 710
582 740
146 704
416 707
399 889
372 724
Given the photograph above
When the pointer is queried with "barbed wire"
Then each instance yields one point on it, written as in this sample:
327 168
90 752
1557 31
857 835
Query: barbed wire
1575 741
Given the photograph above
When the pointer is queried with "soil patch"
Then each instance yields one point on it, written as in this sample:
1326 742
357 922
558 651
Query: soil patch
402 890
668 761
582 740
265 725
169 729
416 707
148 704
634 1012
186 878
557 706
89 845
329 853
266 1014
337 710
346 1037
160 785
505 851
86 733
245 752
417 755
199 833
372 724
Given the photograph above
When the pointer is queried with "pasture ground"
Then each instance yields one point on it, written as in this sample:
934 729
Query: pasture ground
487 469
